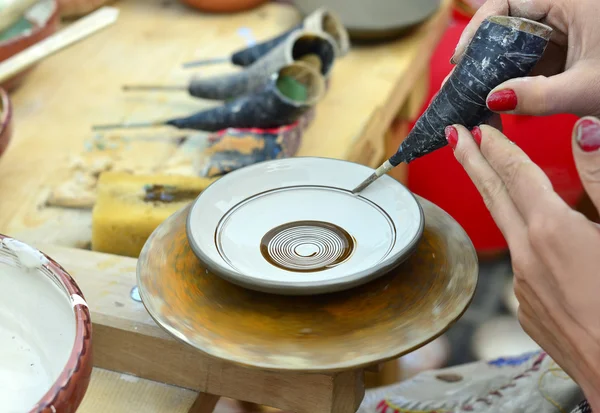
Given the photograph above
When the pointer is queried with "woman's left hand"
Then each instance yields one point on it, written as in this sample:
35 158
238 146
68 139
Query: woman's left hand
555 250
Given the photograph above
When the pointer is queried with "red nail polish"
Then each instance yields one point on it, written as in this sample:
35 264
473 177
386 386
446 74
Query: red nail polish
588 135
477 136
452 136
502 101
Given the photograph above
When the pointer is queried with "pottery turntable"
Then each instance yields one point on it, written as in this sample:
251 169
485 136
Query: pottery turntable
306 278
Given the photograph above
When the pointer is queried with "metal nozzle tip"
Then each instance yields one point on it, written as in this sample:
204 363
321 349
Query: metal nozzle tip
365 183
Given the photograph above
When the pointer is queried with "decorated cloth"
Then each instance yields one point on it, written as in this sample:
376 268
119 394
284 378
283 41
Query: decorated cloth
235 148
531 383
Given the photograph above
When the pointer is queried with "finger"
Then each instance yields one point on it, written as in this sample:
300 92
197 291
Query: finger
531 9
565 240
448 77
574 91
586 151
527 185
489 185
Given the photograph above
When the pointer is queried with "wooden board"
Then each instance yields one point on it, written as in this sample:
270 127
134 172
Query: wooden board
81 86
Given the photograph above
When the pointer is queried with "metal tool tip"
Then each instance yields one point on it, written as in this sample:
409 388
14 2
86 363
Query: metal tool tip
365 183
205 62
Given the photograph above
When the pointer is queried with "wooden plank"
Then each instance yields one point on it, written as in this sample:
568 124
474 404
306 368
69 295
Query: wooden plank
80 86
118 393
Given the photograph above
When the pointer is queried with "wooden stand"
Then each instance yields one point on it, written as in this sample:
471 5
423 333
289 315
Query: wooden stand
128 341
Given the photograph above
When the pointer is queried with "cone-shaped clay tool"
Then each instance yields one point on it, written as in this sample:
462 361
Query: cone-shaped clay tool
320 21
291 92
301 45
502 49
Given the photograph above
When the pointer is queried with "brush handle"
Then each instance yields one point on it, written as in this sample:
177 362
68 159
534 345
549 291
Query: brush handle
247 56
503 48
75 32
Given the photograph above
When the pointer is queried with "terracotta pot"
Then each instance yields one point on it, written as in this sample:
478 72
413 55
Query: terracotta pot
224 6
45 333
77 8
43 28
5 120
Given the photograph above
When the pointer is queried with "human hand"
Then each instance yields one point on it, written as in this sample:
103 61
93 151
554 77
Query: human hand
567 79
555 250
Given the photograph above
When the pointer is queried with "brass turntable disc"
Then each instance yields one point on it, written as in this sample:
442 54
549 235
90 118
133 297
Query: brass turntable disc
378 321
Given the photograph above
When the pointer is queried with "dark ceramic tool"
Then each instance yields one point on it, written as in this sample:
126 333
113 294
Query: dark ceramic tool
293 91
502 49
321 20
300 45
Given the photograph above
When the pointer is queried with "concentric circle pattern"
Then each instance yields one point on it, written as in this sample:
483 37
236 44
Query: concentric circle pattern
307 246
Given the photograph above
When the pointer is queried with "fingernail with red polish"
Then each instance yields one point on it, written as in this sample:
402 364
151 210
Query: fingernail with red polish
502 101
452 136
476 132
588 135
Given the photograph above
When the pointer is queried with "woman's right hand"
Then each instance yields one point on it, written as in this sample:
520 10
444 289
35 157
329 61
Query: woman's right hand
568 76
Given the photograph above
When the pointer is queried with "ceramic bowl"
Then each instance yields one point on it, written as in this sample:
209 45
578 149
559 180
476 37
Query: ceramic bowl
45 333
224 6
76 8
45 18
5 120
384 19
293 226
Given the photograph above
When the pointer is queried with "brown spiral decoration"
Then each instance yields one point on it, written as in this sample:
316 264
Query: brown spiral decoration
307 246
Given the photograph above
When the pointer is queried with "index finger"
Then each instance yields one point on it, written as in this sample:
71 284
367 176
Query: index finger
529 9
528 186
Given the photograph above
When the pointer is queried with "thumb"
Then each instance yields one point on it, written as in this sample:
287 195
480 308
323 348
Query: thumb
586 150
575 91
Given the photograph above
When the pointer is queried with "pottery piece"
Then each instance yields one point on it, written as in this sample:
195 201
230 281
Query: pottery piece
45 333
39 22
526 383
380 20
5 120
292 226
379 321
12 11
77 8
224 6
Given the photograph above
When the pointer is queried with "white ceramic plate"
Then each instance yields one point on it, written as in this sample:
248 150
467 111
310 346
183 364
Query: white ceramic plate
293 226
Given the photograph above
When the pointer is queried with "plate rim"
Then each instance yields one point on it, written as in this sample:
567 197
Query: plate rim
306 287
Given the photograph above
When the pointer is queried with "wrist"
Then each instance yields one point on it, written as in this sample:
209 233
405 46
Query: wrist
590 373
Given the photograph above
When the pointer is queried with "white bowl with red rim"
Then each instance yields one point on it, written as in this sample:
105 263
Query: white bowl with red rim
45 333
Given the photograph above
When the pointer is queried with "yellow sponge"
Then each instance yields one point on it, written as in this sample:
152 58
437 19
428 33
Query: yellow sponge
129 207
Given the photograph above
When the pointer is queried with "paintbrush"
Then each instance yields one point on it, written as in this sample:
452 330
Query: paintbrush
292 91
503 48
320 21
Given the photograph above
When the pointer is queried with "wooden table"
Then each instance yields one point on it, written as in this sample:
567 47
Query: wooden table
80 86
